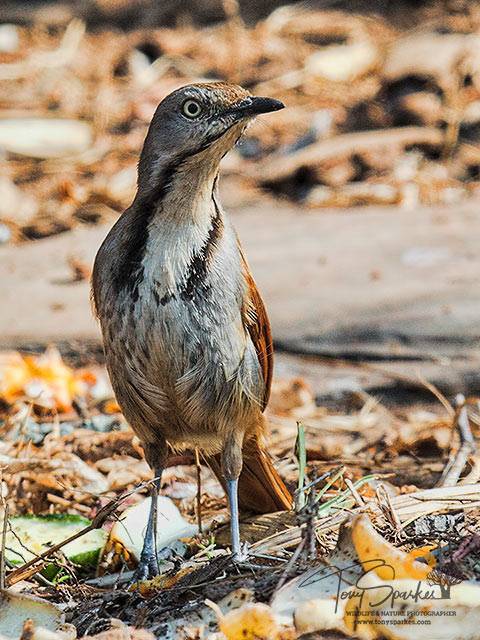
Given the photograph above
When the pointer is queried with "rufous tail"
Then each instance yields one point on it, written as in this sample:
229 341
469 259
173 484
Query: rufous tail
260 488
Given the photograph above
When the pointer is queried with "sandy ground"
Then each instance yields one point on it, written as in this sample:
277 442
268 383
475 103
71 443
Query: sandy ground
416 272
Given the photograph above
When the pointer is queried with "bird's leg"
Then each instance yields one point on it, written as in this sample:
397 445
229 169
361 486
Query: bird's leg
232 494
232 466
148 564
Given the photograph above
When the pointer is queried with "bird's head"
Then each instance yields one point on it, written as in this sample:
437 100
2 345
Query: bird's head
199 123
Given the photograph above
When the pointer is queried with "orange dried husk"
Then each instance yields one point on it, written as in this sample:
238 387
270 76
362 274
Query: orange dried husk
58 382
163 581
111 407
254 621
44 379
370 545
14 375
399 568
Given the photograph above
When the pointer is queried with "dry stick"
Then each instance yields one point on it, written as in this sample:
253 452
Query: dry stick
357 497
474 475
2 557
199 490
301 453
22 545
383 497
30 567
438 394
286 573
453 470
309 511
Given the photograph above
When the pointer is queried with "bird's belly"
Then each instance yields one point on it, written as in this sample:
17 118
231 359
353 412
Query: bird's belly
187 371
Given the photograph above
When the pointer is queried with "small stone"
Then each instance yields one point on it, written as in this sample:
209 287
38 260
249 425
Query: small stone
343 63
5 234
9 40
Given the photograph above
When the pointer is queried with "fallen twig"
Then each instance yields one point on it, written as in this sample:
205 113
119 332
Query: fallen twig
301 453
385 503
467 447
358 498
4 539
286 573
199 491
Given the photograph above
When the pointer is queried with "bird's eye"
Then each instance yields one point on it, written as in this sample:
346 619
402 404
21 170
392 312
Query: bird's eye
191 109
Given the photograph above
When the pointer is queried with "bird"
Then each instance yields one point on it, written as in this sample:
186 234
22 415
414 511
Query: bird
187 340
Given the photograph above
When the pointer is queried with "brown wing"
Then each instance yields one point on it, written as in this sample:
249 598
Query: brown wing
256 321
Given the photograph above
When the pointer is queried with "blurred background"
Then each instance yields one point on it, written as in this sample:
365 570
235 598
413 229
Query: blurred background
358 204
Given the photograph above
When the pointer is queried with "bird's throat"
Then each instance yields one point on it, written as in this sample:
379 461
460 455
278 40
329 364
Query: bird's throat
183 235
171 222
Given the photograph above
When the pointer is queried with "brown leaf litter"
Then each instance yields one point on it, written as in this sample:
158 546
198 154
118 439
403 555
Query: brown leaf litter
369 460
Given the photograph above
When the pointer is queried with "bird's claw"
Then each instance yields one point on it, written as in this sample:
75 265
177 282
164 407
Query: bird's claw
151 565
242 554
147 568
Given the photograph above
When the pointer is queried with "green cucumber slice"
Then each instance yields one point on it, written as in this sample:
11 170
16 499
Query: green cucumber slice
28 536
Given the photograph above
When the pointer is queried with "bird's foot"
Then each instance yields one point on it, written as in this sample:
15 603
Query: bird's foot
151 565
147 569
241 554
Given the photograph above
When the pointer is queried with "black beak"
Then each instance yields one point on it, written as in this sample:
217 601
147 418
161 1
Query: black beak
265 105
254 106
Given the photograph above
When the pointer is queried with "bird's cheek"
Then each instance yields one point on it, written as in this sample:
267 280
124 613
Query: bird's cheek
225 142
217 128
